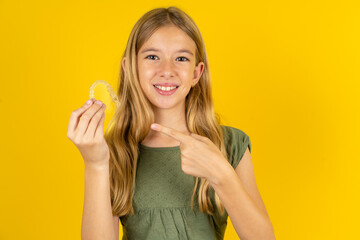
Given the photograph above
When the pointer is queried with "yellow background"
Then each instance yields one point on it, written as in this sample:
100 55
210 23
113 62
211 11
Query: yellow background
284 72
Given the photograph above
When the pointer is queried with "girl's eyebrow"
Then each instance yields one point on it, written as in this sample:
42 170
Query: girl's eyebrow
157 50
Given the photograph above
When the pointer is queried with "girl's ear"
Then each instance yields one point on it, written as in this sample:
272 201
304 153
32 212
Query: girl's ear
123 62
198 72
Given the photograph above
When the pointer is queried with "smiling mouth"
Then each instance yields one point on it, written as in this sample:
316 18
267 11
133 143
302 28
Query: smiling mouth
165 89
168 90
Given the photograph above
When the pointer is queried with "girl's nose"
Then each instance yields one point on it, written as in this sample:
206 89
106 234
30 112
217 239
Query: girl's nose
167 68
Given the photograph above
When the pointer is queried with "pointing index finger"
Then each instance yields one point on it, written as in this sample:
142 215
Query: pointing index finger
181 137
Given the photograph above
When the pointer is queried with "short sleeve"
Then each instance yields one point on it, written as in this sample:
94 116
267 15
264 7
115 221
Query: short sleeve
236 142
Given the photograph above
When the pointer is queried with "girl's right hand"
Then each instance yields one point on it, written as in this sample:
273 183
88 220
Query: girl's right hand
85 130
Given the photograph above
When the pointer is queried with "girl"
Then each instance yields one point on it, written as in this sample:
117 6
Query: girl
178 178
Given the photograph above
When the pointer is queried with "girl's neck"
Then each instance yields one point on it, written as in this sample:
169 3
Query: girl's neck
171 119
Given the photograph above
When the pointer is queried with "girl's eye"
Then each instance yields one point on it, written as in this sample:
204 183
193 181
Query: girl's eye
151 56
184 58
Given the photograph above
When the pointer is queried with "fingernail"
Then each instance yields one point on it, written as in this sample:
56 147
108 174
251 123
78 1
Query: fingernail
88 102
98 102
153 126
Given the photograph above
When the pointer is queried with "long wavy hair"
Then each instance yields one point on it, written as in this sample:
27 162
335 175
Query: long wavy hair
134 114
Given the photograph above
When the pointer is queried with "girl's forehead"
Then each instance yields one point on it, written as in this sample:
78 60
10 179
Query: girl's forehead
168 39
174 32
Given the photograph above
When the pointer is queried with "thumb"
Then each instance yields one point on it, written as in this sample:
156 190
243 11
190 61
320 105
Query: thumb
198 137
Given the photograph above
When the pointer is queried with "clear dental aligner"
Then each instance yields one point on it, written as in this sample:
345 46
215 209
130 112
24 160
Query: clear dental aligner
109 89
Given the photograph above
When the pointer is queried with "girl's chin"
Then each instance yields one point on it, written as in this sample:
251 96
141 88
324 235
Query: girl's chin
165 105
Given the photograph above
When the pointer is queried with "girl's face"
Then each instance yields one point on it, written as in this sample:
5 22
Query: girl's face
167 59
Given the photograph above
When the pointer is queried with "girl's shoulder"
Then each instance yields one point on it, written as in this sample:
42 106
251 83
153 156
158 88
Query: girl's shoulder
233 134
236 141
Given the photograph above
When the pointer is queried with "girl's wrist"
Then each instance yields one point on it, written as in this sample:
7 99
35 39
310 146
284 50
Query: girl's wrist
221 174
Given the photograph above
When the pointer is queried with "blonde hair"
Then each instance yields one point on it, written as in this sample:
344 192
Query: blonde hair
134 115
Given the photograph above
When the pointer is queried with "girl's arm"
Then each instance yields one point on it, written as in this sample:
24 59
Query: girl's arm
239 194
97 221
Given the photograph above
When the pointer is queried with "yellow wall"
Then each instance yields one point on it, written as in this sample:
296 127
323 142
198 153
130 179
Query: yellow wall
285 72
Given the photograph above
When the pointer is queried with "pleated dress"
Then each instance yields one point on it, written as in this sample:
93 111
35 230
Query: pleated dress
162 195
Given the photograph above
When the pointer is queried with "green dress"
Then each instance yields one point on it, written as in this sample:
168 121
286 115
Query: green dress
162 195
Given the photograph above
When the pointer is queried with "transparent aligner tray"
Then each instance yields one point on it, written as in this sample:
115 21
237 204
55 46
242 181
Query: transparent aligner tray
109 89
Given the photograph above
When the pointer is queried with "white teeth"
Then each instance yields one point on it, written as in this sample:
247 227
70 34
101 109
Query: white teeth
165 88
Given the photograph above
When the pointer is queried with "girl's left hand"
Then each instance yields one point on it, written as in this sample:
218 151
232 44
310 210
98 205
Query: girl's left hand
200 157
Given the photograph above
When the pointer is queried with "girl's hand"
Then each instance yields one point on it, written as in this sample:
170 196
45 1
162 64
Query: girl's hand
200 157
85 130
